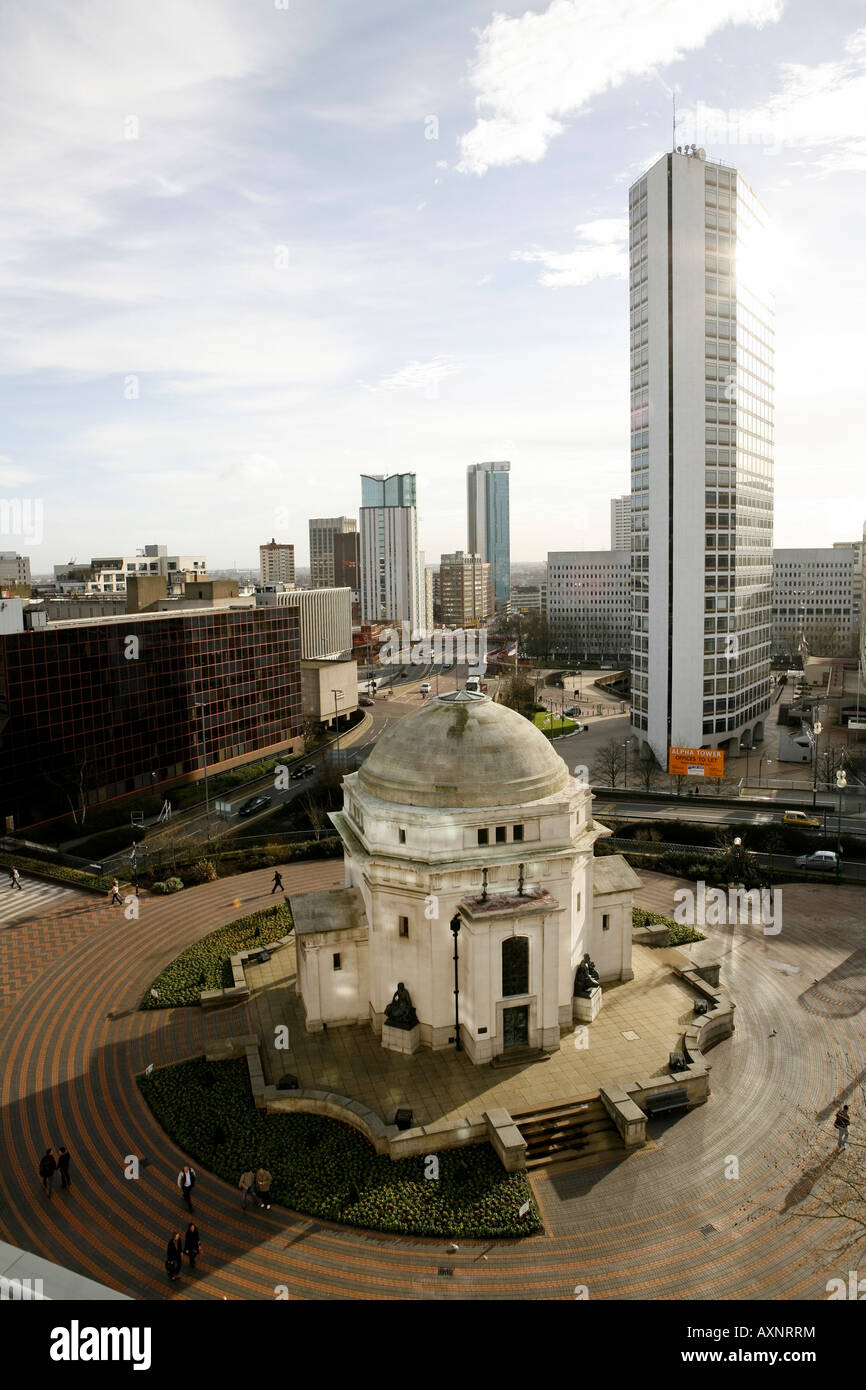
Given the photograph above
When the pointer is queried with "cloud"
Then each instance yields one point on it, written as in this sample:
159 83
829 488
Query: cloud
820 110
420 376
531 72
602 253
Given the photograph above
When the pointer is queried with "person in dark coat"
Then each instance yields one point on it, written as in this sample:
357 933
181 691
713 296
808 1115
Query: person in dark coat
63 1166
174 1256
278 882
192 1244
47 1169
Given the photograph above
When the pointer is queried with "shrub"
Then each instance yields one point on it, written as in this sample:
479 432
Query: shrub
159 887
679 933
325 1169
76 878
173 885
207 963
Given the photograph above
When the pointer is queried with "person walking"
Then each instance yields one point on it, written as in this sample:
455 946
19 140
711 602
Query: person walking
192 1244
841 1125
63 1166
186 1183
115 894
47 1169
246 1183
263 1188
174 1255
278 882
15 879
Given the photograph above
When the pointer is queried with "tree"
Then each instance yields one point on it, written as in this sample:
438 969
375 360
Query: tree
517 693
316 811
608 763
648 770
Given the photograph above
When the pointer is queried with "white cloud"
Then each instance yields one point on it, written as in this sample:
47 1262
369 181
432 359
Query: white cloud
531 72
602 253
820 110
420 376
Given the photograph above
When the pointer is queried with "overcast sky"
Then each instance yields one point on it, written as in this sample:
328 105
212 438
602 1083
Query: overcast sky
249 252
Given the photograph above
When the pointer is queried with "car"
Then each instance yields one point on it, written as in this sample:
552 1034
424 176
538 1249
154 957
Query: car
824 859
799 818
573 712
365 700
308 768
298 773
255 803
425 687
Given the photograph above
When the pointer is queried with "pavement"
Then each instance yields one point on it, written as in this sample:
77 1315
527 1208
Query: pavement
670 1221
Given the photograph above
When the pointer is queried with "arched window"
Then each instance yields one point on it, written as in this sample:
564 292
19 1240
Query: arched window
515 965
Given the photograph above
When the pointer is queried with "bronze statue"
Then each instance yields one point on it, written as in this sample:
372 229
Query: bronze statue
586 978
400 1013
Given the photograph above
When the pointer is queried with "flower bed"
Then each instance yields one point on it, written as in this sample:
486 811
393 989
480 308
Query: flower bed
43 868
207 963
679 933
323 1168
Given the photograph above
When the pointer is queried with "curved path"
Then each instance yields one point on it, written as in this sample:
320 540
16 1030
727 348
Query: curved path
665 1223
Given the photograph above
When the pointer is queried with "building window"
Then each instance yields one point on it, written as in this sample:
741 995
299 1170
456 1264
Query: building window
515 965
401 835
605 921
517 832
403 925
336 960
483 837
500 834
577 903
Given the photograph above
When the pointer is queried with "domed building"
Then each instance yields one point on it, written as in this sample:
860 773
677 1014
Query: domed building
464 835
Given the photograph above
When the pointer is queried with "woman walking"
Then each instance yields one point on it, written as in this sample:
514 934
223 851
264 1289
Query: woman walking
192 1244
174 1256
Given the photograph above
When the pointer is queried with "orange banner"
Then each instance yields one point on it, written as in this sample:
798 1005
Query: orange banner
696 762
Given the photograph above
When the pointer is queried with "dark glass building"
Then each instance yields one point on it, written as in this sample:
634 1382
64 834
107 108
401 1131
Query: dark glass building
103 707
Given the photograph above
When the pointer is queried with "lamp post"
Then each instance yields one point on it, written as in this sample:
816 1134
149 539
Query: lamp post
625 773
841 783
455 924
747 749
817 728
338 694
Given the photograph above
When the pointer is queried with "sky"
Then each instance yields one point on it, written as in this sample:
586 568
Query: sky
251 249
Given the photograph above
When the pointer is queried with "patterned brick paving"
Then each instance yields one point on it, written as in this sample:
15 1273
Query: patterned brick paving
628 1229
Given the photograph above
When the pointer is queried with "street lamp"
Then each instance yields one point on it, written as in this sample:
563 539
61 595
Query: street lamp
455 924
625 774
841 783
338 694
817 729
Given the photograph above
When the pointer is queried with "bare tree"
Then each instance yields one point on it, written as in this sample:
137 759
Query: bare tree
648 770
316 812
608 763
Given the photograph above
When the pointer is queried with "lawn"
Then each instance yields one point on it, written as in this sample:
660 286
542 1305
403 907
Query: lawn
207 963
323 1168
552 724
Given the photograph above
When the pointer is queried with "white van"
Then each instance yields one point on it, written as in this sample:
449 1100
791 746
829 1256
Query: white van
425 687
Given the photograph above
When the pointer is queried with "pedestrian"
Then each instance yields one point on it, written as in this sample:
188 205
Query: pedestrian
15 879
174 1256
115 894
186 1183
47 1169
63 1166
841 1124
263 1188
246 1183
278 882
192 1244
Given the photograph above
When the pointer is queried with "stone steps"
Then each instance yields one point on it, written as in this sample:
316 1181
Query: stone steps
561 1133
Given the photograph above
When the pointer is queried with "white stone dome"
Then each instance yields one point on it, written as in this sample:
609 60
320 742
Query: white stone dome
462 749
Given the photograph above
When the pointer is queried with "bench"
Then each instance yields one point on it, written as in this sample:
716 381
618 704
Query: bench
668 1100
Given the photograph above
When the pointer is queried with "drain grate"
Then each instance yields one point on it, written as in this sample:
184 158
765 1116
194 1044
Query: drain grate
445 1273
708 1230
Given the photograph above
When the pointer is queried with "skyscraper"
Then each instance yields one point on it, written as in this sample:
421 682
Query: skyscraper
465 590
620 522
392 582
323 529
701 456
488 522
277 563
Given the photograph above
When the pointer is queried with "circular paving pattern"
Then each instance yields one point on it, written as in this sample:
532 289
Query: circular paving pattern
669 1222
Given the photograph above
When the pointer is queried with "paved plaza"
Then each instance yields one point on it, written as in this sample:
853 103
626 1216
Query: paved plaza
663 1223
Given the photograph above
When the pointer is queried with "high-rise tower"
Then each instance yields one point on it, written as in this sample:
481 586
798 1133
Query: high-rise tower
488 518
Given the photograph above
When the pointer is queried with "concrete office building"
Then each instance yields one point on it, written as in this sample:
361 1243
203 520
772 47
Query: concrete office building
701 455
529 598
589 601
620 522
324 533
104 707
325 617
276 563
489 522
14 569
108 574
393 587
817 601
465 590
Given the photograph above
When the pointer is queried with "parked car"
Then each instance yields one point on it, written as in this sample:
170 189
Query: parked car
365 700
824 859
799 818
255 803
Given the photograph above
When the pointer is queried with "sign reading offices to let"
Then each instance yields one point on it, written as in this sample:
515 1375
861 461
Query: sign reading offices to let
696 762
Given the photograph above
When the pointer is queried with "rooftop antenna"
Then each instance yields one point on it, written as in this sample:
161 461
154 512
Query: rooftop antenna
674 121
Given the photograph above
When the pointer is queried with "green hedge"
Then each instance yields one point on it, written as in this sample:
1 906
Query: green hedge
76 878
679 933
323 1168
207 964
